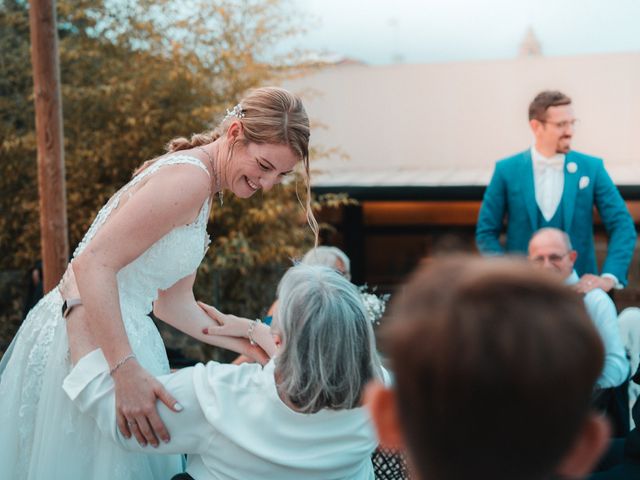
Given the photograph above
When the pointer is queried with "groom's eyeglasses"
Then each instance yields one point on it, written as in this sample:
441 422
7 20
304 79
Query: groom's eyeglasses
553 258
562 125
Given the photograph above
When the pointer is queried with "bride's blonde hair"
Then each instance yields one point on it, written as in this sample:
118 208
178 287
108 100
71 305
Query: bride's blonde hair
269 115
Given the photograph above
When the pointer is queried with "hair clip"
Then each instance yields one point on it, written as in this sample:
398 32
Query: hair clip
236 112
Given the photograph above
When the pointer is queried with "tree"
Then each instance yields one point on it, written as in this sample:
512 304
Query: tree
136 73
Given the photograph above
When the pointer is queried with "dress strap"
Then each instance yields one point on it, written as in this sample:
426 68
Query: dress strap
114 201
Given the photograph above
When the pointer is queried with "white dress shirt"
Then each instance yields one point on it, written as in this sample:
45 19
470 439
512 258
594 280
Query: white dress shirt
548 178
602 311
234 424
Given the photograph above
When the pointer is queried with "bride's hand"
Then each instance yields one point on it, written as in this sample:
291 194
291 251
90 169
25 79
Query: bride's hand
136 412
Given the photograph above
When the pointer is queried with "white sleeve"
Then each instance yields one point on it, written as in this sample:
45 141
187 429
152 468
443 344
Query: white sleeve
603 313
92 390
616 283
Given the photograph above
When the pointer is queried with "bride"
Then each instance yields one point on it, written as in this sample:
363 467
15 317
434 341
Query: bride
144 246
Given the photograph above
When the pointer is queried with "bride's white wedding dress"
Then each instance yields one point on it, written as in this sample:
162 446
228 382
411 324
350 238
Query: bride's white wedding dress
42 435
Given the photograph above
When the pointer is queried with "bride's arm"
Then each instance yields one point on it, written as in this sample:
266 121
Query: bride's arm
177 307
169 199
91 389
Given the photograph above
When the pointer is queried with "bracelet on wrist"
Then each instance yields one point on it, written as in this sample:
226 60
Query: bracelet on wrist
252 327
121 362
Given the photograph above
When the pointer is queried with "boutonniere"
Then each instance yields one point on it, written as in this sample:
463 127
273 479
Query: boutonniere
572 167
583 183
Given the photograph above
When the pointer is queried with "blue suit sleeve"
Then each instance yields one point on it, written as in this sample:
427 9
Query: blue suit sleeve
491 216
618 224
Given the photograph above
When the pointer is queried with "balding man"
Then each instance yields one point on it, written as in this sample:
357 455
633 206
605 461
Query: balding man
550 185
551 249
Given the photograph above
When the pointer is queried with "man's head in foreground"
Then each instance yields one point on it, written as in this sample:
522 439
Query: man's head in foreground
494 367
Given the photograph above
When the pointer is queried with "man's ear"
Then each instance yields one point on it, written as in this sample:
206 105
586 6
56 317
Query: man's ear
573 255
381 402
587 448
536 125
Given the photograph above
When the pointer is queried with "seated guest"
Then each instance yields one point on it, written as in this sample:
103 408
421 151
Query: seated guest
494 368
298 417
331 257
629 323
550 249
626 451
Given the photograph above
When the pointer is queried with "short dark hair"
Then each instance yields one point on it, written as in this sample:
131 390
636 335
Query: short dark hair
549 98
494 364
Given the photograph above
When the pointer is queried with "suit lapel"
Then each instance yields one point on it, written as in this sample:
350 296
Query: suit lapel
570 190
528 189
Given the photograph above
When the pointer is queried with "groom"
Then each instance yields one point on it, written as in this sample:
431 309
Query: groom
549 185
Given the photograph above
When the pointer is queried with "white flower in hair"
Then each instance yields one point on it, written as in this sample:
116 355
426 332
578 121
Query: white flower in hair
375 305
236 112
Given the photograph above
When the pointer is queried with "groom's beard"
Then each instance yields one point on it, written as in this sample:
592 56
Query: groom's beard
564 144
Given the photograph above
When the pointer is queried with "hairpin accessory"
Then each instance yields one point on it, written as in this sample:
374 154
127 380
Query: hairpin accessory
236 112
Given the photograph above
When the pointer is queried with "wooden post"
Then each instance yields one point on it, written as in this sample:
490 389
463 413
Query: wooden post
48 106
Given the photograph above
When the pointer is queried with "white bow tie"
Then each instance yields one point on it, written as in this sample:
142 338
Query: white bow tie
553 163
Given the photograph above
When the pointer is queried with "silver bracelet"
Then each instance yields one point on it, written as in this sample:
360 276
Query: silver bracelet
252 327
121 362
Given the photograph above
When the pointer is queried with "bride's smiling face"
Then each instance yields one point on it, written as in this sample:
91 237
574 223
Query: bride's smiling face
257 166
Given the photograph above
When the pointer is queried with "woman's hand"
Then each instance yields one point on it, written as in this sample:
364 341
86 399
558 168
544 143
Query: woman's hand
260 347
136 412
227 325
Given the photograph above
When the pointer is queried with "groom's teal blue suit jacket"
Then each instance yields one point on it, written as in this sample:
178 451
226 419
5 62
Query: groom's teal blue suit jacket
511 194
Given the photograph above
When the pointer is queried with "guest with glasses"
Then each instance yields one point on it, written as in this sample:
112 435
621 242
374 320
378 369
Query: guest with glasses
550 185
480 394
550 249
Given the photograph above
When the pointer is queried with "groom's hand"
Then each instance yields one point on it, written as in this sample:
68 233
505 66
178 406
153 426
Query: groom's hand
588 282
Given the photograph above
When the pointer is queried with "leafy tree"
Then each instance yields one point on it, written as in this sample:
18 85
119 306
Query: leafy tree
136 73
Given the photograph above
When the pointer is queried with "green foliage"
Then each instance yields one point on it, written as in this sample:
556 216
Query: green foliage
134 74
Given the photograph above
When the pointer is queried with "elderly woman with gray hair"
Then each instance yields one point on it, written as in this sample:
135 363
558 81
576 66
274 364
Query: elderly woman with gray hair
299 416
331 257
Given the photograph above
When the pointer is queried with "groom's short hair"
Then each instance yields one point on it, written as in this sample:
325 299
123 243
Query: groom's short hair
541 103
494 366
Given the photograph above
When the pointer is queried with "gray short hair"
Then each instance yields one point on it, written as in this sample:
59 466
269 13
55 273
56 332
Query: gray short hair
328 352
565 236
327 256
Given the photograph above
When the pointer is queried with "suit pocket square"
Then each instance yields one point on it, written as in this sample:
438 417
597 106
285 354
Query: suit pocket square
583 182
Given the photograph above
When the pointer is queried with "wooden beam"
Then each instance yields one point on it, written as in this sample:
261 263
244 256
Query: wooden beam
48 106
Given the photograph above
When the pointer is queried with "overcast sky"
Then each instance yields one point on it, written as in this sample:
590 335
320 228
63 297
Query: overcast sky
422 31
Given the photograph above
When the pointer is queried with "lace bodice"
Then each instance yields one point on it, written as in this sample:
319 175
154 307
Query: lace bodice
39 426
169 259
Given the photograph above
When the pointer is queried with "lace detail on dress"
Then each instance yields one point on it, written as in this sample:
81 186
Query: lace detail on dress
41 427
42 338
114 201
